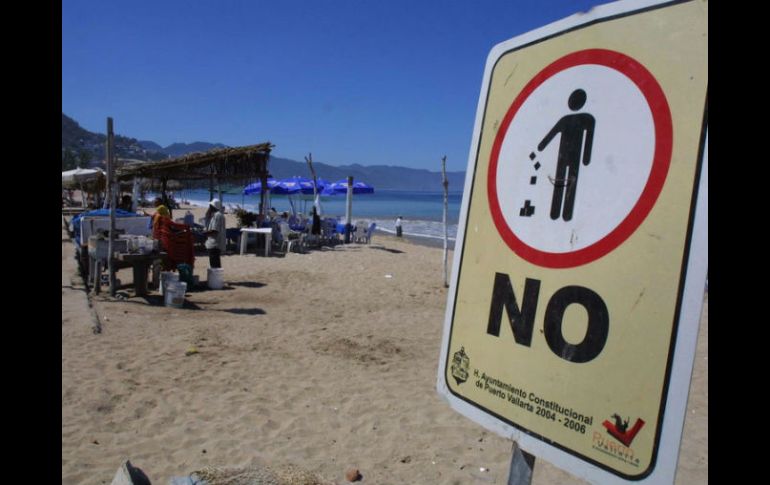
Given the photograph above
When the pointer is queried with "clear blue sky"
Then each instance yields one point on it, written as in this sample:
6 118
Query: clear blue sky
386 82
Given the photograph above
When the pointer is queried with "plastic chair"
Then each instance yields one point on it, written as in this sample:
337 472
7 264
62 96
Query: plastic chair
289 238
366 237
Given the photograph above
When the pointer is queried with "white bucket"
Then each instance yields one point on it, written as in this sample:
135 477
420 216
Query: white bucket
216 279
167 277
174 295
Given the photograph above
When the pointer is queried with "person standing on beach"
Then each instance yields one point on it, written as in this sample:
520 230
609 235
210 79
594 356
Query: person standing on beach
161 211
315 228
215 232
398 226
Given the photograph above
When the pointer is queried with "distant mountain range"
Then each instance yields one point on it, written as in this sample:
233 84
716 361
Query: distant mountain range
178 149
385 177
88 147
83 148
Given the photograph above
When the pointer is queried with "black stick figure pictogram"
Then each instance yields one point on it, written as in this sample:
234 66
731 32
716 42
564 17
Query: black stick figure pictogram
577 133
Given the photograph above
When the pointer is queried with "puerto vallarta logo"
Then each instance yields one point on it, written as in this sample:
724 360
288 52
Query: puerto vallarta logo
619 429
460 364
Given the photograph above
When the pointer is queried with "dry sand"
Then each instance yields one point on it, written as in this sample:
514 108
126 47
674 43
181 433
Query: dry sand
318 360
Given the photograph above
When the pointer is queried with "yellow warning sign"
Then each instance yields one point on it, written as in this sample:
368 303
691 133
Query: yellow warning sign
572 258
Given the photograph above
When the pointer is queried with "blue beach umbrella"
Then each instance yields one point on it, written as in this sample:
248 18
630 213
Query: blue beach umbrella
294 185
256 187
341 187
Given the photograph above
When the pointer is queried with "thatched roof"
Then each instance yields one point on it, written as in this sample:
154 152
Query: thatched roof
154 185
236 165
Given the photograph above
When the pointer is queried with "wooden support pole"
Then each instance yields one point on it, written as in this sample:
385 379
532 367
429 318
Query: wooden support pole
83 195
113 196
211 184
135 195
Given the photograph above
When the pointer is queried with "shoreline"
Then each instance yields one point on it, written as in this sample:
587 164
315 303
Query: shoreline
427 241
412 238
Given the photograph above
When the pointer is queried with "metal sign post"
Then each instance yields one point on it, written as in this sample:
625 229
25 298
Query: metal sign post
522 466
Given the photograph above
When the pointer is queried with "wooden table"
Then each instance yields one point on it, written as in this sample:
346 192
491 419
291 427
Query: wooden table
266 231
139 263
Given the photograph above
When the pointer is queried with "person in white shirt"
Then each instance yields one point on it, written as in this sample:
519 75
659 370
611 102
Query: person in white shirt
398 226
215 231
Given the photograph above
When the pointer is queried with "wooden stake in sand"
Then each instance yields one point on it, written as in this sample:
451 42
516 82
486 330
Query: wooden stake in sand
316 198
446 202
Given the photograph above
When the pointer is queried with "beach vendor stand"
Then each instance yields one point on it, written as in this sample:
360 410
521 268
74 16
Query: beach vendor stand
198 170
132 245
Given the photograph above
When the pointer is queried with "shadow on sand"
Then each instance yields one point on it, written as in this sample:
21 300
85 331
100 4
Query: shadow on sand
248 284
383 248
245 311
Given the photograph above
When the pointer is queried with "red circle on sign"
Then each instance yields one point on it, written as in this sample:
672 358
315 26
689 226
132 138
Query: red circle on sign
661 116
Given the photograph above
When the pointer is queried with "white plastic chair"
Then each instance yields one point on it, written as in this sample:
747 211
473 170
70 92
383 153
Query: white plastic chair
289 238
366 237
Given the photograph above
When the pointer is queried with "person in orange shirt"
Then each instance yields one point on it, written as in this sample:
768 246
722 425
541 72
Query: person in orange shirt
161 211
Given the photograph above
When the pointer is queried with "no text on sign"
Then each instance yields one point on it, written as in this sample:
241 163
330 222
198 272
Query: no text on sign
576 293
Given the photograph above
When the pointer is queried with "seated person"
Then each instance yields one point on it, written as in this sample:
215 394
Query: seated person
189 219
125 203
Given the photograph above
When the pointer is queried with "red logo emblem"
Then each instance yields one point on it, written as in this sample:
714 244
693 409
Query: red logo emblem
619 430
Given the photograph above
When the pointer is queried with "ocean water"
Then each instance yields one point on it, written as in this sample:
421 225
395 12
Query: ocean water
422 212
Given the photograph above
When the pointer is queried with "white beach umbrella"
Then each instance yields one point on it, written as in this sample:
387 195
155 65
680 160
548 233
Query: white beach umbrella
78 177
73 178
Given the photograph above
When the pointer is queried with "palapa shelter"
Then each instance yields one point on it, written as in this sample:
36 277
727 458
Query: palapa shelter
90 180
78 178
240 165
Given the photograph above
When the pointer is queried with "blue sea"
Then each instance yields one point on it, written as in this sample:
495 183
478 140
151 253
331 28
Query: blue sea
422 212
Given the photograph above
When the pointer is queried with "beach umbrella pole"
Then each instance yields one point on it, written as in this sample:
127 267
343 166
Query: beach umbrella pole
349 210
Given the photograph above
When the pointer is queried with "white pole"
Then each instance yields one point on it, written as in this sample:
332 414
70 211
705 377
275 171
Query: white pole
446 234
349 210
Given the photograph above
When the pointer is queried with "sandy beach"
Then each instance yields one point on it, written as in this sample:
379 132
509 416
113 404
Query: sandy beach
325 360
